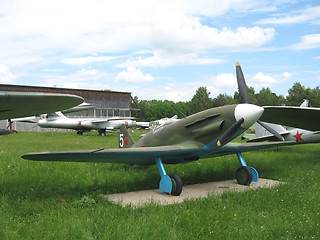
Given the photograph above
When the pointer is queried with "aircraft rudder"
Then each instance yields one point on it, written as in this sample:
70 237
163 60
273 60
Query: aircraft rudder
125 139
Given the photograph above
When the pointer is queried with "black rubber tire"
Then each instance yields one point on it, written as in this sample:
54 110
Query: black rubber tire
176 184
102 133
244 175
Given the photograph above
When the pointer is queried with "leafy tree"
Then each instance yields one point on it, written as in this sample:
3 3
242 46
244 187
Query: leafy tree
297 94
314 98
200 101
160 109
267 98
223 99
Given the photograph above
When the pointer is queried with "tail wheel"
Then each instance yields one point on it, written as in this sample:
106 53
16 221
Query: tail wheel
176 184
244 175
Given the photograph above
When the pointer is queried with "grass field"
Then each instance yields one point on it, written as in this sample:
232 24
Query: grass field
54 200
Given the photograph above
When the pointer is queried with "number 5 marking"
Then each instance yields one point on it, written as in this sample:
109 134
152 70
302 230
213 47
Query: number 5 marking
121 142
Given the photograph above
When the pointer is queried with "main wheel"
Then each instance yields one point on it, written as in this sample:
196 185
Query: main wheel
244 175
102 133
176 184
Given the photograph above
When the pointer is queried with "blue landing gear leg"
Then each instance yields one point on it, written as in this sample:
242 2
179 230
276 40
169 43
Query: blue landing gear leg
244 173
171 184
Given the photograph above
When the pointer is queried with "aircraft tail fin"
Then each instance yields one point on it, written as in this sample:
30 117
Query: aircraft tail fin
125 139
305 103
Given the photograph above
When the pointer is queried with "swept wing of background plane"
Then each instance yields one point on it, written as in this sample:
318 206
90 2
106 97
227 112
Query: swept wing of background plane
83 106
23 104
300 117
201 135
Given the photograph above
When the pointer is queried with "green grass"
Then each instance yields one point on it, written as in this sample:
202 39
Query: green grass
55 200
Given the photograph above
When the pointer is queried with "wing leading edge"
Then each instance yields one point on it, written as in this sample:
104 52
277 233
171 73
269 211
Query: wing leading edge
300 117
185 152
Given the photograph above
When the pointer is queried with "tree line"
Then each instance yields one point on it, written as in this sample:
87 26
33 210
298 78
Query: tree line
156 109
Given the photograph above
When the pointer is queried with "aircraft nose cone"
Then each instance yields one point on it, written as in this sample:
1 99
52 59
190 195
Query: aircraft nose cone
249 112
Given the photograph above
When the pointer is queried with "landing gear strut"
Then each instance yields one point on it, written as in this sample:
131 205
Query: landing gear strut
172 183
245 174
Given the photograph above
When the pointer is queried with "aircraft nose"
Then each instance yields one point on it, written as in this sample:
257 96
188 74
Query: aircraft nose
249 112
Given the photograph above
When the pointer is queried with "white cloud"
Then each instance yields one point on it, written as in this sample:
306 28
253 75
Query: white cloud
5 75
83 79
307 42
287 75
91 72
260 80
163 59
193 37
311 14
134 75
49 29
227 80
87 60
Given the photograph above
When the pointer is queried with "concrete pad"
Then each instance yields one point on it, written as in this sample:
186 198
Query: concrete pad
202 190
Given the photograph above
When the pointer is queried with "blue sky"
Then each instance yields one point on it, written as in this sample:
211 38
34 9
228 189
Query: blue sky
160 49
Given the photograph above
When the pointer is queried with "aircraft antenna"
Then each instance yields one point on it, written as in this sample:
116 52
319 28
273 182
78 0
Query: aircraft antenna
178 111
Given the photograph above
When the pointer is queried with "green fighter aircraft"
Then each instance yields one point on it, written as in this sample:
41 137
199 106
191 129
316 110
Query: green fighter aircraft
205 134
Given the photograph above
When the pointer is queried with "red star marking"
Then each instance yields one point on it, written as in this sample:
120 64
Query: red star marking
126 142
143 145
79 124
298 136
126 123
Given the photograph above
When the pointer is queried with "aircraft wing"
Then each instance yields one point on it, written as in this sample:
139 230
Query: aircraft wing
171 154
24 104
300 117
267 138
102 120
32 119
231 148
140 156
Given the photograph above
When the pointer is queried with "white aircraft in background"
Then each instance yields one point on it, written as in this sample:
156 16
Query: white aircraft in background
297 135
102 125
160 122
